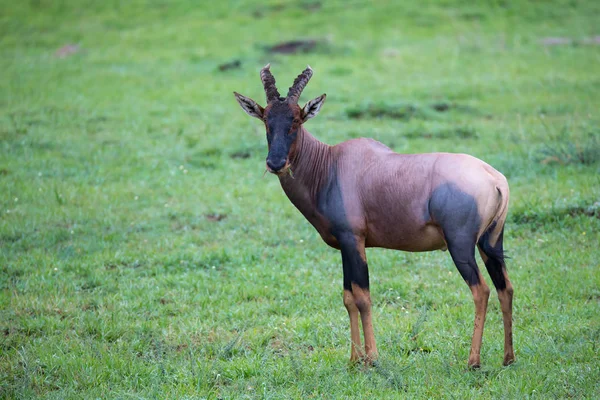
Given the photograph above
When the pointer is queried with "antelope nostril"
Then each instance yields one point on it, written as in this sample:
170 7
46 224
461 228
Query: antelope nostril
276 165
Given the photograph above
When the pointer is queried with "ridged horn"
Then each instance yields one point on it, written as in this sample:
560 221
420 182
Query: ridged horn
268 81
299 85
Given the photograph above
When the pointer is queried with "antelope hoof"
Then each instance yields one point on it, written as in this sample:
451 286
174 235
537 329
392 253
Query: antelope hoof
508 359
354 359
371 360
474 363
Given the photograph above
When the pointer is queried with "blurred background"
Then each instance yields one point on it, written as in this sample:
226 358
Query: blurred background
143 252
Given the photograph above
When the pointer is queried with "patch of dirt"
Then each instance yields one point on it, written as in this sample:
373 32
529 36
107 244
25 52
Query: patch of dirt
215 217
441 107
180 347
294 46
278 346
241 154
235 64
123 264
590 211
444 106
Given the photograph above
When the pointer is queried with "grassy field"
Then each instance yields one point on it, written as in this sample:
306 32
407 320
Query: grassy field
144 254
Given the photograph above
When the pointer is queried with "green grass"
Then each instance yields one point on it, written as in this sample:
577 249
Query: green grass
145 255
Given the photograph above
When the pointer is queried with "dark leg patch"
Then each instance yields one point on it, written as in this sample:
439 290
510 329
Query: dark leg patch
463 255
330 204
495 262
456 212
356 269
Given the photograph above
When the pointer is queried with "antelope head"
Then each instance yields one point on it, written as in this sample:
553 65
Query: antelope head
283 117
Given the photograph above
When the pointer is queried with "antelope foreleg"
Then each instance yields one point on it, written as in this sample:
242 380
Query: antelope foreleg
356 294
356 351
362 298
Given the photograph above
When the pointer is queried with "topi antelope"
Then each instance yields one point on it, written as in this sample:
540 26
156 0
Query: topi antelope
360 194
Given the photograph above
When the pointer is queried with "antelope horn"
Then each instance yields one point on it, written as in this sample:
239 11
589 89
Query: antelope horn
269 83
299 84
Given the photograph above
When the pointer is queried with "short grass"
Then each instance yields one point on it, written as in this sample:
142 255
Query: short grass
145 255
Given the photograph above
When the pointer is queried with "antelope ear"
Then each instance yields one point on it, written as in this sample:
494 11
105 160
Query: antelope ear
311 109
250 106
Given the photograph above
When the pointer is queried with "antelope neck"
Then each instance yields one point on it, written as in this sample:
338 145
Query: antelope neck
310 162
